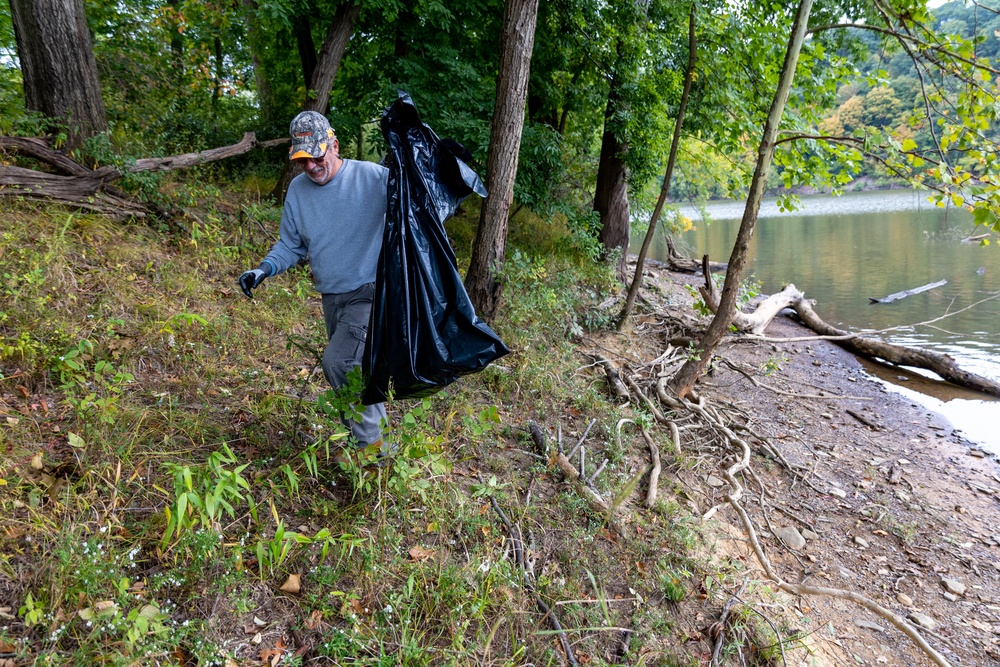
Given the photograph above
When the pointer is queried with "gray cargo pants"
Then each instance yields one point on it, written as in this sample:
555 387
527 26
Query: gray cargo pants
346 317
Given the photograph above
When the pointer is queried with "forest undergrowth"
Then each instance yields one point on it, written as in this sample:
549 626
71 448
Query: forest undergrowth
169 494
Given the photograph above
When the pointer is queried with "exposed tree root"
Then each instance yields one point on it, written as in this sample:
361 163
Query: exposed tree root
713 418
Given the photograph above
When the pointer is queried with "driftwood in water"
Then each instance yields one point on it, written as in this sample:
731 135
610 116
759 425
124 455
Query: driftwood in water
941 364
910 292
70 183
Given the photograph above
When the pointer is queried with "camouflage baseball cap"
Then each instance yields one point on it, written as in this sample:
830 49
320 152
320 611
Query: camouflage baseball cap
311 135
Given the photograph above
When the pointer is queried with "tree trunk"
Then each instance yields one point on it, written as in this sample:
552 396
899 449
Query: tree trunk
327 65
58 66
611 193
265 101
633 289
302 29
176 44
684 381
220 73
516 44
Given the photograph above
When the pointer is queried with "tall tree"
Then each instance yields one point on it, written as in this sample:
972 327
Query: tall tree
318 88
516 44
58 66
633 289
611 191
684 380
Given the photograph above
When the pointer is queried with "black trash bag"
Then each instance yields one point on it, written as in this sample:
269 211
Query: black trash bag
423 333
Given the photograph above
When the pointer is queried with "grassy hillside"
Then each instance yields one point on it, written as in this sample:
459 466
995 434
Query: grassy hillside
168 493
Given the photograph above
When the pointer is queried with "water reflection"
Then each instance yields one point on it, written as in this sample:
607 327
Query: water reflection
843 250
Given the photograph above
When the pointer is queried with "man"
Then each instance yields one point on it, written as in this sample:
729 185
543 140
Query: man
334 212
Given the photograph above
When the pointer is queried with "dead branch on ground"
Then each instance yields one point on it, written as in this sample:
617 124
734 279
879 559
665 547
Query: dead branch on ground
72 184
529 582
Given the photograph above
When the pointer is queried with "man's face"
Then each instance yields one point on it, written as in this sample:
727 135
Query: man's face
321 170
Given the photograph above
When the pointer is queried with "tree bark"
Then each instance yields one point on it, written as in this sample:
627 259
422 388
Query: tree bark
633 289
57 65
516 44
611 193
318 97
684 380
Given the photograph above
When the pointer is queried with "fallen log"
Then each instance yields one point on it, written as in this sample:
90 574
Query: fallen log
614 378
905 293
73 184
766 310
941 364
681 264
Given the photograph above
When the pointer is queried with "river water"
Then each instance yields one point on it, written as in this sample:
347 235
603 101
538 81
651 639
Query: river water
842 250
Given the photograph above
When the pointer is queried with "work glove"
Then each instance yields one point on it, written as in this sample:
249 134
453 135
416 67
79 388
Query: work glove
249 280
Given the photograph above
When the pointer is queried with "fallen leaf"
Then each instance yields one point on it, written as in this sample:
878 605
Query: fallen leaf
76 441
36 460
292 585
257 638
315 618
356 607
7 647
24 390
12 421
420 553
270 656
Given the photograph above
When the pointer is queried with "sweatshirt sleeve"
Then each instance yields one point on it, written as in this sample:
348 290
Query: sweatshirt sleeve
289 248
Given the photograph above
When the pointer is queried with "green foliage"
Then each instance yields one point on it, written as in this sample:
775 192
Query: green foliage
93 389
204 494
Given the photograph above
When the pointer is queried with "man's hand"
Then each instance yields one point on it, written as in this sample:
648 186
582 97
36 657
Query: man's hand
249 280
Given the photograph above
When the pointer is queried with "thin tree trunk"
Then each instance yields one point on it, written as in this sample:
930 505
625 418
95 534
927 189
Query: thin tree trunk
327 65
611 193
516 44
265 102
633 290
684 381
302 29
332 51
57 65
219 73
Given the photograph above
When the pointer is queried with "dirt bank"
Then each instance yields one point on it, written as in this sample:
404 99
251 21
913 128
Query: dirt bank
892 503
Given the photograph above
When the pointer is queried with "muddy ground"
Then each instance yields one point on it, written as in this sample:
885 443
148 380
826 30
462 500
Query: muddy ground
893 503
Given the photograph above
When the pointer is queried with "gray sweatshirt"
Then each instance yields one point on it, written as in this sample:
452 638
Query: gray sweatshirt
339 225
